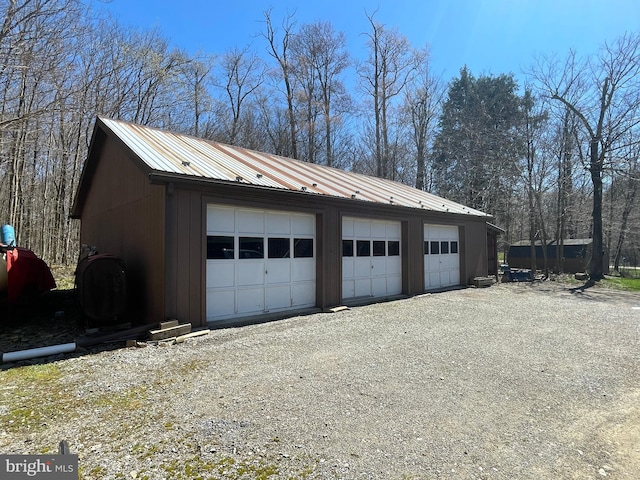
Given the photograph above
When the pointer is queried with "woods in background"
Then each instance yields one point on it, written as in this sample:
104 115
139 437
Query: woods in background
553 159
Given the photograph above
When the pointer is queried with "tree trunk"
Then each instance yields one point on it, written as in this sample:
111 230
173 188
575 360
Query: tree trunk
597 253
544 238
532 227
629 201
420 167
327 129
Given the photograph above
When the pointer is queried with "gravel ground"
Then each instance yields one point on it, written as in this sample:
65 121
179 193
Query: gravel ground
512 381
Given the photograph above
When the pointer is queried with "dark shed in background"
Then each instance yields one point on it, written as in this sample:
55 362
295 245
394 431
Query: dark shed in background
574 256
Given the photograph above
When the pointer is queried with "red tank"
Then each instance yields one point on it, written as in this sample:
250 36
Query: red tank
27 275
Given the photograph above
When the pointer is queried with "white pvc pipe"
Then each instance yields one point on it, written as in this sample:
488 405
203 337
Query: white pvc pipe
38 352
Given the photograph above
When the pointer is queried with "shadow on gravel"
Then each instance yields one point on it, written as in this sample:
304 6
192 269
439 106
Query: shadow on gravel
594 292
587 292
52 319
582 288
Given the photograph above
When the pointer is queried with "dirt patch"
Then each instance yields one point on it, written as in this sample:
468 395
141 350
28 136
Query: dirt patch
622 431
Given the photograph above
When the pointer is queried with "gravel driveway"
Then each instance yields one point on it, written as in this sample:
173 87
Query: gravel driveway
512 381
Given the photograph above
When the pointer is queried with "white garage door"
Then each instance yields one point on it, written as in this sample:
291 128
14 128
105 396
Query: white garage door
258 261
441 257
371 259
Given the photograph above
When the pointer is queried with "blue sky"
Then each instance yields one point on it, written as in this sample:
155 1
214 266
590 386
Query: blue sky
489 36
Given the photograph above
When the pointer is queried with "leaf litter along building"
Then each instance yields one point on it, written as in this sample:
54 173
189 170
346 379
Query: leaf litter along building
218 234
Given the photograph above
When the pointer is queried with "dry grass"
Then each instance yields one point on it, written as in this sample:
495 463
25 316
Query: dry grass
64 276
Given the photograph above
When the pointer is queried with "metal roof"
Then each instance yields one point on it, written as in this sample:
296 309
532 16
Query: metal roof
171 153
566 242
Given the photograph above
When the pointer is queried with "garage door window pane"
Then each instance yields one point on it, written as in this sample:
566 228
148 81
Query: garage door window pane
219 247
435 248
378 248
393 248
444 247
454 247
364 248
279 248
251 247
347 248
426 248
303 248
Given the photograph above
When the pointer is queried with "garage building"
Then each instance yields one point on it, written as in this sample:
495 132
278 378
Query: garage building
217 234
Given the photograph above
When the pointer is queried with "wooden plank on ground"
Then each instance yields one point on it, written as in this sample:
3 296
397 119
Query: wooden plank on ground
338 309
197 333
170 332
169 324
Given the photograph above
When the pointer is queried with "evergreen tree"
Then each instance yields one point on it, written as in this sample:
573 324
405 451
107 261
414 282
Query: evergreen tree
479 144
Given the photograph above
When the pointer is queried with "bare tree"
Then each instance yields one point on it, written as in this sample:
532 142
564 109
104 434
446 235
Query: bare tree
194 78
567 142
629 181
274 122
60 67
303 61
242 73
390 66
34 53
279 49
150 67
27 28
423 99
606 109
320 58
535 173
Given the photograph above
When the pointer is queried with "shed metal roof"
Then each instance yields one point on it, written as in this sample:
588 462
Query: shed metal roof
566 242
183 155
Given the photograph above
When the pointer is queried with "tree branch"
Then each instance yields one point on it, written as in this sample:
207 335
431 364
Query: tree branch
577 113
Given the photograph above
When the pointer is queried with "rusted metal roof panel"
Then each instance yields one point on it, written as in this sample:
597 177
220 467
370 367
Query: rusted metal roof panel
165 152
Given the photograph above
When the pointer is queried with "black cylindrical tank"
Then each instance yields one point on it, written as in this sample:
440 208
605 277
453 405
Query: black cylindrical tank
101 284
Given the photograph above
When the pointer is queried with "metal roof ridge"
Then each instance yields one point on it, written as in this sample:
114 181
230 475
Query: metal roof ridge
163 151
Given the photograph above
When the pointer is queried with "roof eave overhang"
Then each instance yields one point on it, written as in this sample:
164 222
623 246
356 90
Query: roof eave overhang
98 137
101 132
158 178
495 228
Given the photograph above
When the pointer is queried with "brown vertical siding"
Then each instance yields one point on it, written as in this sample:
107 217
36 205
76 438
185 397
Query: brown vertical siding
186 256
150 207
466 252
124 215
197 259
474 246
329 229
172 256
492 254
181 268
413 258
